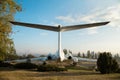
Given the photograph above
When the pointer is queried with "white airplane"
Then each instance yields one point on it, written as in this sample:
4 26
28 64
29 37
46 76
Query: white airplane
53 57
60 29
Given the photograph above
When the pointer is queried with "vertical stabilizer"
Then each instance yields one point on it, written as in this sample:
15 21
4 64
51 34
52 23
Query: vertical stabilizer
61 54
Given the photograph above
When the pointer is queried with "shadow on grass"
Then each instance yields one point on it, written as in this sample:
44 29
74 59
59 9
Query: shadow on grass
34 73
3 78
116 78
7 69
45 74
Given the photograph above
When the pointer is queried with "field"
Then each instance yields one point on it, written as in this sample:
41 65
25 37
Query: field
13 74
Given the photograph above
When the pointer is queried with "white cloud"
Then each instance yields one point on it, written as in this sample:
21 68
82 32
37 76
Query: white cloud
66 18
111 13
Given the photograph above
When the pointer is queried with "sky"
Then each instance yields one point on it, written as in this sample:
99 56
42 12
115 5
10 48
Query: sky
65 13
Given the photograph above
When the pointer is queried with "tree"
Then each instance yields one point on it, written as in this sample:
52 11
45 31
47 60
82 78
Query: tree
115 66
96 55
7 10
12 57
106 64
88 54
42 55
30 56
79 54
92 54
117 57
24 56
83 55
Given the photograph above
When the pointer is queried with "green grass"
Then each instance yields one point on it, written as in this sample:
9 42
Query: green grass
13 74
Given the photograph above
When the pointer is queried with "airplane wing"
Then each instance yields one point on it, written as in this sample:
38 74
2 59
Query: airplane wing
38 26
75 27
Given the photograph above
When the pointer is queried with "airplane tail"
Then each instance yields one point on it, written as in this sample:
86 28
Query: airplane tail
60 55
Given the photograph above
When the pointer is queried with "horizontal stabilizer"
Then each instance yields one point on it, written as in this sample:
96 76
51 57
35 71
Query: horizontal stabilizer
58 29
38 26
75 27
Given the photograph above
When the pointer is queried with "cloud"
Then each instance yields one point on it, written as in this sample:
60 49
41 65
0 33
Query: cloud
66 18
108 14
111 13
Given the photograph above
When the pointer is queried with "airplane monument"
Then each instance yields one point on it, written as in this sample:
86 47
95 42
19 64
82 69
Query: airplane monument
59 29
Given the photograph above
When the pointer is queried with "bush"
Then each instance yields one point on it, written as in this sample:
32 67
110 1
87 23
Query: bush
118 71
25 66
77 68
114 66
106 64
3 64
45 68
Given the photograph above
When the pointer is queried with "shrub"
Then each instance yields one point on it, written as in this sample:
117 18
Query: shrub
3 64
77 68
106 64
114 66
44 68
25 66
1 61
118 71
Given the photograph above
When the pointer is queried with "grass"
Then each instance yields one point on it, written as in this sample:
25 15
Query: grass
13 74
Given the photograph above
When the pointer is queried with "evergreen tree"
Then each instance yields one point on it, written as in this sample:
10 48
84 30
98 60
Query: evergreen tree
106 64
115 66
117 57
83 55
7 10
92 54
30 56
96 55
88 54
79 54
